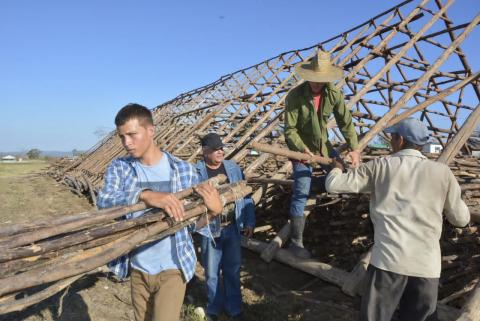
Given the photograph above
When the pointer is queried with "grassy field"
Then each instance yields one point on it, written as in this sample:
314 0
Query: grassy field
21 168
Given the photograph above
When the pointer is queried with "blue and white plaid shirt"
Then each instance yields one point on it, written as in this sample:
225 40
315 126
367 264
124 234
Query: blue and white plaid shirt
121 189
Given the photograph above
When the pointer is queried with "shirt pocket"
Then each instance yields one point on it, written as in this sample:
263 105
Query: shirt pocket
327 110
304 117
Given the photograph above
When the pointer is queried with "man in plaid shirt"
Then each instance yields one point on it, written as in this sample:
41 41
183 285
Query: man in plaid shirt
161 269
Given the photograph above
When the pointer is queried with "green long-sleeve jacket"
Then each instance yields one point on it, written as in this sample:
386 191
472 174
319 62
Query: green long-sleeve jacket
303 127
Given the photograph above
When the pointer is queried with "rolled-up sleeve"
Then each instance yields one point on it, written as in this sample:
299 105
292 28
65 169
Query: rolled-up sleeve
455 209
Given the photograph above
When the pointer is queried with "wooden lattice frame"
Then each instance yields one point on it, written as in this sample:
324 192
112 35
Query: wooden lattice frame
406 61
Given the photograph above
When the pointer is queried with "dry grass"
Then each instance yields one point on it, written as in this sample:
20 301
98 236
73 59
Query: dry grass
22 168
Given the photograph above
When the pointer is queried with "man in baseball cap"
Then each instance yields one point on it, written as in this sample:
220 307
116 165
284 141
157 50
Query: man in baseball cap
212 140
222 257
412 130
409 193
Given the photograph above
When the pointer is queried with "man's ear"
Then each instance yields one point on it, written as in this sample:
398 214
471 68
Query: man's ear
151 130
401 140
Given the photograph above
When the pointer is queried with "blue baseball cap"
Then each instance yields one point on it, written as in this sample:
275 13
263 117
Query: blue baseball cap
411 129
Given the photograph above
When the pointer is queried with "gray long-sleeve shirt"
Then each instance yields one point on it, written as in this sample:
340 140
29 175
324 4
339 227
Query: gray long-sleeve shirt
408 195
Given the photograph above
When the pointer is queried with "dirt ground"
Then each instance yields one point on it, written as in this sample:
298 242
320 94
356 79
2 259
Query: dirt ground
271 292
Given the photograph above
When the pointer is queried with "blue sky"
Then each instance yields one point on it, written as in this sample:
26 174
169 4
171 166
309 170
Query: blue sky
66 67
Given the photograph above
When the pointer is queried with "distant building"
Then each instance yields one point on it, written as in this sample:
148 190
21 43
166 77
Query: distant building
474 144
9 159
72 158
432 148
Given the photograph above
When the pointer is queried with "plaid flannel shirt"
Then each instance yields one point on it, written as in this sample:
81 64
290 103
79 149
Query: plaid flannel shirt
121 189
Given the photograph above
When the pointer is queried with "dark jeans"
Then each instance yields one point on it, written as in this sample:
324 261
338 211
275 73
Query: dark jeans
384 291
221 260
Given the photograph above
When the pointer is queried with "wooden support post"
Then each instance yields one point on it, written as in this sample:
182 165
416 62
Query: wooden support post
268 253
324 271
471 309
283 235
354 281
460 138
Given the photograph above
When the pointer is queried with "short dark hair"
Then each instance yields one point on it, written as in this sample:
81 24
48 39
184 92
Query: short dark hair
134 111
410 145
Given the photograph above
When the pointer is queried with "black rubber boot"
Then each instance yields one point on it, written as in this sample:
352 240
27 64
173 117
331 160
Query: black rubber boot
297 224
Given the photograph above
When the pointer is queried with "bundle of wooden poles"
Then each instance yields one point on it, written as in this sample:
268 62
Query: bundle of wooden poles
39 259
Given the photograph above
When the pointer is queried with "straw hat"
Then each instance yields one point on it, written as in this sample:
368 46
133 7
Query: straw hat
319 69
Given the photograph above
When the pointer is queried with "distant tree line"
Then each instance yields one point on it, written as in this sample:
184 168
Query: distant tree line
34 153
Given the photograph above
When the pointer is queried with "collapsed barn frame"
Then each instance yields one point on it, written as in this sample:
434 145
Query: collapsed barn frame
389 70
404 62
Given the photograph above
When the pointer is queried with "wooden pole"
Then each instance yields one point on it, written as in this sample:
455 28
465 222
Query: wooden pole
283 235
354 281
277 150
444 93
471 309
264 180
324 271
460 138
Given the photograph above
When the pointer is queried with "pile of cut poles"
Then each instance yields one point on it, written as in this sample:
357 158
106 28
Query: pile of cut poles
39 259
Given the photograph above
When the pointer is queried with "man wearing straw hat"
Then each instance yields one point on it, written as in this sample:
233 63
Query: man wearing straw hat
308 109
408 195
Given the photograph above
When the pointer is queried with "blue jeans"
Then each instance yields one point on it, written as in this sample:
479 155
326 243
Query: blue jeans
221 262
302 180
